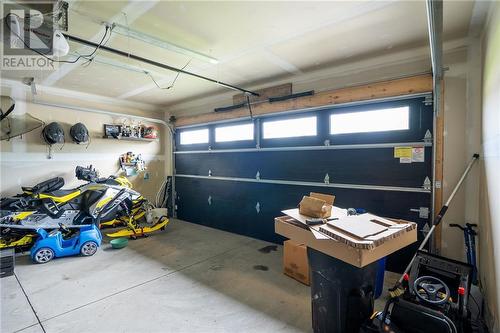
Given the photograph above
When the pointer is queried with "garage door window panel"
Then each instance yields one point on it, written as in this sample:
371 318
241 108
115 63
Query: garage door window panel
234 135
393 119
396 121
291 131
192 139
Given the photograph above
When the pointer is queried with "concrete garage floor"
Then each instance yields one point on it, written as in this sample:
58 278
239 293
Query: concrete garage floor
188 278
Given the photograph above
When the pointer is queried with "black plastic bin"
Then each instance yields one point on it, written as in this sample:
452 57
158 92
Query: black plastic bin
341 294
7 262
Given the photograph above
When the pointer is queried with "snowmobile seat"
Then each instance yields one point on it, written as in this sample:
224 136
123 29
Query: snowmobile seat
46 186
59 193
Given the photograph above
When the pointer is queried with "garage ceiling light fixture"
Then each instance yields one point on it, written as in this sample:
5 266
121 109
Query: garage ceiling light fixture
141 36
126 31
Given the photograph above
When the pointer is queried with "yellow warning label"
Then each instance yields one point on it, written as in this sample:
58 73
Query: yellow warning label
403 152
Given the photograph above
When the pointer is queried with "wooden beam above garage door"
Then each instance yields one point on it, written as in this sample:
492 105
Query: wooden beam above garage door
398 87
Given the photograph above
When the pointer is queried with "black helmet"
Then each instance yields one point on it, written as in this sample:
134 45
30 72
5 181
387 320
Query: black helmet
79 133
53 133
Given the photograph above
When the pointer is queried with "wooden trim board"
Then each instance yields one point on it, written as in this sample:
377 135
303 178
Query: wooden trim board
438 172
397 87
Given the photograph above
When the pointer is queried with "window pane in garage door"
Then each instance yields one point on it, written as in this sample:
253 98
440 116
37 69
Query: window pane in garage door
194 137
234 133
288 128
370 121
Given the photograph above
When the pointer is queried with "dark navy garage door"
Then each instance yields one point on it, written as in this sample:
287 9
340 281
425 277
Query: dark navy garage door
378 156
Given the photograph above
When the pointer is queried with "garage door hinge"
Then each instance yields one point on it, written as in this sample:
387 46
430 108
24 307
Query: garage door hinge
209 200
327 179
327 142
209 173
425 230
427 183
428 136
257 176
257 207
428 100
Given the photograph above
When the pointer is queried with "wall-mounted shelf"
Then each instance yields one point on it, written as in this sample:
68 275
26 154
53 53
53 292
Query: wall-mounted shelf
132 139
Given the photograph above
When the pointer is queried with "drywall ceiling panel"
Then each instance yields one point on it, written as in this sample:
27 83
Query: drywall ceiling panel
225 28
239 72
101 80
83 25
456 18
253 67
99 8
369 33
146 50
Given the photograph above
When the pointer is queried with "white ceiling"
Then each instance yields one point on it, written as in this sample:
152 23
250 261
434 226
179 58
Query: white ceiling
255 42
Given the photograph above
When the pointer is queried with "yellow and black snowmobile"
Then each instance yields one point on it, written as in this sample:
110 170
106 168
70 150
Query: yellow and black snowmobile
103 201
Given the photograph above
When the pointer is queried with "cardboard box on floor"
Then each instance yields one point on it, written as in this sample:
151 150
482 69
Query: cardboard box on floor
295 262
317 205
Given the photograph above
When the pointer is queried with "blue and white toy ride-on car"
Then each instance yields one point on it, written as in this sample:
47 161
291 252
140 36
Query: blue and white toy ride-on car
65 242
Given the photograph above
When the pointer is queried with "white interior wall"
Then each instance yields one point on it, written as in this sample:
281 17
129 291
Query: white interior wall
489 236
24 160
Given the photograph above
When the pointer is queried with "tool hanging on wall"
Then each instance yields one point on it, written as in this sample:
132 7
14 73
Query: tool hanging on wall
398 288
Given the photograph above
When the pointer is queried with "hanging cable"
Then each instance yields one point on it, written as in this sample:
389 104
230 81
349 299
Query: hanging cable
249 106
174 80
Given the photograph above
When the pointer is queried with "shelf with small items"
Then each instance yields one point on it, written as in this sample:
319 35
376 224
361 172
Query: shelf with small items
131 132
125 138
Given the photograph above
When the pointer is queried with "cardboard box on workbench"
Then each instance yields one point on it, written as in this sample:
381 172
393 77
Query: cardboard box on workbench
317 205
300 233
295 262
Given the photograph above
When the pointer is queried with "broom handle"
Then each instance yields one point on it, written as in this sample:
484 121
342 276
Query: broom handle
440 215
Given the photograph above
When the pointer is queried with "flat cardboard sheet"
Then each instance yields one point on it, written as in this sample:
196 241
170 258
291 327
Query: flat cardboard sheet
358 226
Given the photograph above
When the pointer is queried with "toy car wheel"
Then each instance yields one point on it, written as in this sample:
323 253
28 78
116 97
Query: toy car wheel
88 248
43 255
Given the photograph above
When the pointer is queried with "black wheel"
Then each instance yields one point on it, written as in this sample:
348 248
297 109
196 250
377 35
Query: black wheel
133 237
43 255
88 248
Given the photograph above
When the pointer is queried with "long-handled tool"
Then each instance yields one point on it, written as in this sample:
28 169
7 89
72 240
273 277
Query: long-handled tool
397 290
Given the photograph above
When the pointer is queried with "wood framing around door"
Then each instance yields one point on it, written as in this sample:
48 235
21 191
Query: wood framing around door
398 87
438 170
